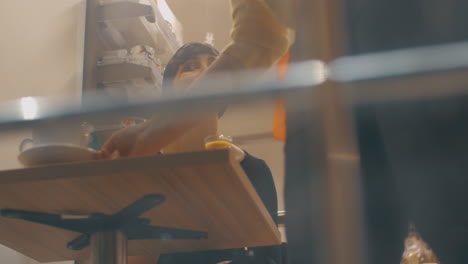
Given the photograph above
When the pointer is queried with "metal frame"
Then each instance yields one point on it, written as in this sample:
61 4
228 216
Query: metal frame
107 235
108 248
322 192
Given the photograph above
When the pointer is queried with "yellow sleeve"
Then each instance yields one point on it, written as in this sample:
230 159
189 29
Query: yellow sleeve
258 39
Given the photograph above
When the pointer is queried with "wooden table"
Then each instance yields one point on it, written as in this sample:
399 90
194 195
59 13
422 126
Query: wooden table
205 191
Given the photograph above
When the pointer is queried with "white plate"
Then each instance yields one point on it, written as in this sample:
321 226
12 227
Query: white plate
50 154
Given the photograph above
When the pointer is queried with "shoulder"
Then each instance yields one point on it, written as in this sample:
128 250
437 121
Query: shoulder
253 162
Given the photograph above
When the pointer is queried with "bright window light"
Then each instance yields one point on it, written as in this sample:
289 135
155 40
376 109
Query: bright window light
29 108
166 12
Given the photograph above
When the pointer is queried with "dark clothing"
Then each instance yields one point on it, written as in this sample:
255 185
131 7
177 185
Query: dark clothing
381 25
414 157
413 153
260 176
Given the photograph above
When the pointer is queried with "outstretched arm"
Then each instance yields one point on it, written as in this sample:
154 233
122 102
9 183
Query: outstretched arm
258 41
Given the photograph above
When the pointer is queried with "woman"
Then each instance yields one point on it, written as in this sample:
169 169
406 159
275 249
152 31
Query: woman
187 64
258 41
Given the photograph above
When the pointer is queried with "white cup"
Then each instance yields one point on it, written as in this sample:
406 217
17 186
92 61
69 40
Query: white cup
54 133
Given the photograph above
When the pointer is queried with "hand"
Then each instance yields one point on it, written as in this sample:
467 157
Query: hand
129 141
146 138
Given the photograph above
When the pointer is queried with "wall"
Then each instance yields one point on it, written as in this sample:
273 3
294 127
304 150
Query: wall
201 16
41 47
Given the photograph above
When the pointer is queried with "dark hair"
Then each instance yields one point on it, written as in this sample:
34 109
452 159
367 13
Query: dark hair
183 54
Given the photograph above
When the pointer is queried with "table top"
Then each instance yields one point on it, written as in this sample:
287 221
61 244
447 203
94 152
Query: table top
205 191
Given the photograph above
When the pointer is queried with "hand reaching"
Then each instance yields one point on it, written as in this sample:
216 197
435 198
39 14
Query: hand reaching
146 138
130 141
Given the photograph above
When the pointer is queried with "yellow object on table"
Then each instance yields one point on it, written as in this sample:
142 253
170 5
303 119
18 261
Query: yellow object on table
217 145
218 142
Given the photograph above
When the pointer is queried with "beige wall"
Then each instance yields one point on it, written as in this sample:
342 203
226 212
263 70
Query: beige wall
41 47
41 51
201 16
